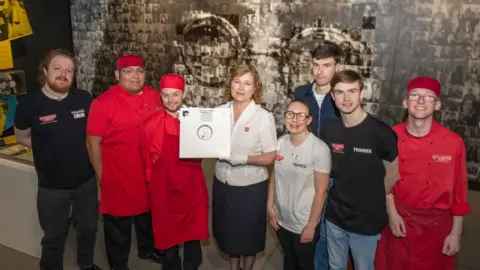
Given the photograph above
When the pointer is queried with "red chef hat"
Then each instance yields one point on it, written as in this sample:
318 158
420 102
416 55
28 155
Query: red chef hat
172 80
129 61
425 83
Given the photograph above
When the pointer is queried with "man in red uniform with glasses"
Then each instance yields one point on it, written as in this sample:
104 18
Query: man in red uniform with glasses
177 186
113 130
427 205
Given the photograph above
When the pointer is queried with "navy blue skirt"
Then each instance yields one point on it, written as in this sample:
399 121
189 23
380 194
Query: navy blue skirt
239 217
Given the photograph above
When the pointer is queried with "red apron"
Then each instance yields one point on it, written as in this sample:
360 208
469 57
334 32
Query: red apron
421 249
178 192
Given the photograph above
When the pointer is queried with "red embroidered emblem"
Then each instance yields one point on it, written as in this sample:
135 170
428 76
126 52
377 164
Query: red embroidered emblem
337 147
247 129
441 158
48 118
278 158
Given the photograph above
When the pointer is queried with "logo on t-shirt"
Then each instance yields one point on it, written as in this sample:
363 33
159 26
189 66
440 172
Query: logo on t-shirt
78 113
362 150
337 148
247 129
304 166
441 158
47 119
278 158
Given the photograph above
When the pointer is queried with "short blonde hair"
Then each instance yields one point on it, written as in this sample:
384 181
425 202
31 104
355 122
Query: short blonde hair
240 70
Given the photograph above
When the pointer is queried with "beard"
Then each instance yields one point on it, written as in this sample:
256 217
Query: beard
173 109
57 86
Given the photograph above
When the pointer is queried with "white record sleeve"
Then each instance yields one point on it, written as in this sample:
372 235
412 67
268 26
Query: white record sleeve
205 132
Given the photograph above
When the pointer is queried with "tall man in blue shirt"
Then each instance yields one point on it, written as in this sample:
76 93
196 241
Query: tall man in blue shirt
325 63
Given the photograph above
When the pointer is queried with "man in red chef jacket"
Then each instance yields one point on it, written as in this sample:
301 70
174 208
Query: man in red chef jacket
113 130
178 192
427 205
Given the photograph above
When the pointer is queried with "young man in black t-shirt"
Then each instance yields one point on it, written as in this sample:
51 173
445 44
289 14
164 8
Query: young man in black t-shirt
364 166
52 121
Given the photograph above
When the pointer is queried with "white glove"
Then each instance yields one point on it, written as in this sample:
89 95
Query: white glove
237 160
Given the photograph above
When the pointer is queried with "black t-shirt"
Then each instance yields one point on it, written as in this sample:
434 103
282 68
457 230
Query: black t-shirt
58 137
356 201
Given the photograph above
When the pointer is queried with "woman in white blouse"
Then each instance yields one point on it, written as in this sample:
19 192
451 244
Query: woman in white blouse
298 188
240 184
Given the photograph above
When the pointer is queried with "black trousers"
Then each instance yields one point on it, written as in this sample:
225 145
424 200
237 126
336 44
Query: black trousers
118 237
53 206
192 257
297 256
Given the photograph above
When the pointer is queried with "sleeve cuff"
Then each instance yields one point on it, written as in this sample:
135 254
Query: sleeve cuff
460 209
270 149
95 133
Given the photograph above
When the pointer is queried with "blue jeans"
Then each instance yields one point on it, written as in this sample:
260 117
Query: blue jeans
321 253
363 248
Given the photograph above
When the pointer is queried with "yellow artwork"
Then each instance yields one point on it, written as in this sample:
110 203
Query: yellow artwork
9 140
3 114
6 59
13 150
14 22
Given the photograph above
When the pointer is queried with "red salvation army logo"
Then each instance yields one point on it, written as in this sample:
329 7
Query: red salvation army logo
337 147
278 158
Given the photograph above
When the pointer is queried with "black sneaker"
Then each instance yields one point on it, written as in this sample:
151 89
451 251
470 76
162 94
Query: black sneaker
154 256
93 267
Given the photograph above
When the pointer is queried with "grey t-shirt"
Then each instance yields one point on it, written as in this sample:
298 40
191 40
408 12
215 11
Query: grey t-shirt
294 179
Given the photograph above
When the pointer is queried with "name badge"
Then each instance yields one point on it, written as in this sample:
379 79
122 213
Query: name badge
78 114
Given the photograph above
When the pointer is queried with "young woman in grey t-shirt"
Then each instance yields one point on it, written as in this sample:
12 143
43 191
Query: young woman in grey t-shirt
298 188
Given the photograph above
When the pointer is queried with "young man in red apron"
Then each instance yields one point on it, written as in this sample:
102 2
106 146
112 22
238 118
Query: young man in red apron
178 192
113 129
427 205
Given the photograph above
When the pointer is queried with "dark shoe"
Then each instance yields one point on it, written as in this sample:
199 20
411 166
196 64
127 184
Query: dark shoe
154 256
93 267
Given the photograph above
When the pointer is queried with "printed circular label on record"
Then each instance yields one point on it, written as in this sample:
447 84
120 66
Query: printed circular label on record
205 132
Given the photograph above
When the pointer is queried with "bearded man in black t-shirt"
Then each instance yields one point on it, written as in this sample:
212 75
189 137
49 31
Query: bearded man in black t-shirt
52 121
364 166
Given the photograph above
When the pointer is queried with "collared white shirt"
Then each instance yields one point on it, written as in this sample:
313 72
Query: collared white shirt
253 134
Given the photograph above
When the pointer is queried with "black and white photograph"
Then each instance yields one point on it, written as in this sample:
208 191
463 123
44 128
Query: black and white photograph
12 83
385 42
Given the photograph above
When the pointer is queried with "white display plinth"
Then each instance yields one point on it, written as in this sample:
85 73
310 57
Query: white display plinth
19 226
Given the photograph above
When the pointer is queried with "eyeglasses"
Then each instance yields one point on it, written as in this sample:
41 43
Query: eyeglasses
426 98
300 116
131 70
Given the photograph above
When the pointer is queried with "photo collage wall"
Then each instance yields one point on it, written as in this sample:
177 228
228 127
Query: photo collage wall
387 41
